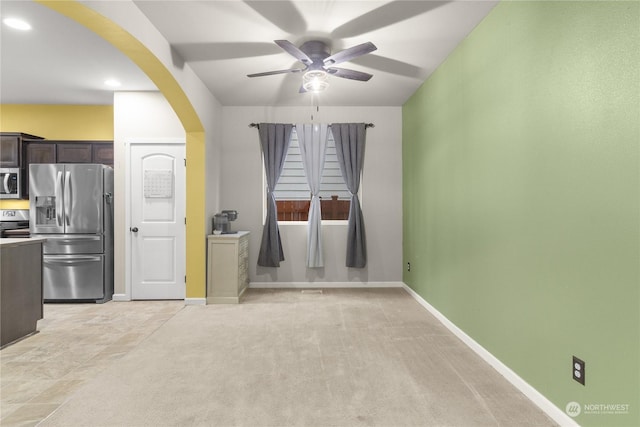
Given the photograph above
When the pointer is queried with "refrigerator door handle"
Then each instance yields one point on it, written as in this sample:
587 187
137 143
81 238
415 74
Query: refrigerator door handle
73 240
72 261
59 197
68 194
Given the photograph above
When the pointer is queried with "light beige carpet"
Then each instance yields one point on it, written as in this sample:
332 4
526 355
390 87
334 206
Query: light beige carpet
344 357
74 343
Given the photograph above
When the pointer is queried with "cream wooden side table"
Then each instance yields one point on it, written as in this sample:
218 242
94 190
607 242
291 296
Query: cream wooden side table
227 267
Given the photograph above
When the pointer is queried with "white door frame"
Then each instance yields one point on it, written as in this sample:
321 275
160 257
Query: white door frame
127 209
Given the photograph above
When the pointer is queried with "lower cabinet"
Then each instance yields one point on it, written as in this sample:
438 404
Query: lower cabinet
20 288
227 267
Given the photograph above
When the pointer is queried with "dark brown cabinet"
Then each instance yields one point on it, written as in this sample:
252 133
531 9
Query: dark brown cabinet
48 151
39 152
11 148
84 152
102 153
21 288
9 151
74 152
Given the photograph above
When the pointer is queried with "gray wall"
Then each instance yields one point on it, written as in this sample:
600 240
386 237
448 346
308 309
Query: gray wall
242 188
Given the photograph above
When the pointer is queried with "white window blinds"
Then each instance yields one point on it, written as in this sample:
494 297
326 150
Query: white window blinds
293 184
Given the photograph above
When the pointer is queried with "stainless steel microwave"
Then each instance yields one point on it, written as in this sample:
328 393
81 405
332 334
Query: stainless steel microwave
10 185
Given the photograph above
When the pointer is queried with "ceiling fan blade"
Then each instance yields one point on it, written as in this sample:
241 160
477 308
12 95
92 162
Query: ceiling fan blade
293 50
387 14
271 73
350 53
193 52
302 90
349 74
391 66
281 13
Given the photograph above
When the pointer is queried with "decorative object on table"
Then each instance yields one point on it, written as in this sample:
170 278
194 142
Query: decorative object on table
222 222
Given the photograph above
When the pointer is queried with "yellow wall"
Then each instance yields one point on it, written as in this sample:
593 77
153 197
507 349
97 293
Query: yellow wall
90 122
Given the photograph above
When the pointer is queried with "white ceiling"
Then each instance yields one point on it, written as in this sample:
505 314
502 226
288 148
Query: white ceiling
60 61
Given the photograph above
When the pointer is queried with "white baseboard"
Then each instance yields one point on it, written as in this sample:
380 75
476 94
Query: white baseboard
187 301
534 395
313 285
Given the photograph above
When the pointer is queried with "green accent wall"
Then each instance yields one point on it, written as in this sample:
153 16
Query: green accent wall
521 196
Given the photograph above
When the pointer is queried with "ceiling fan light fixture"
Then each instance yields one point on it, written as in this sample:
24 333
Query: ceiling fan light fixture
315 81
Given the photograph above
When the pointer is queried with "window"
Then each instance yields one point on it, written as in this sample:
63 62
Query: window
292 193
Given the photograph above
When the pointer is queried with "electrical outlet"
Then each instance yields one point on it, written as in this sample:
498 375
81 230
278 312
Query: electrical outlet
577 368
408 266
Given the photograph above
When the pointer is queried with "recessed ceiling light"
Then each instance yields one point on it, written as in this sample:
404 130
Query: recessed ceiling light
17 24
112 83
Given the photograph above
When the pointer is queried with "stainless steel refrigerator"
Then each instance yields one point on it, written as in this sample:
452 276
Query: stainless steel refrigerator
72 206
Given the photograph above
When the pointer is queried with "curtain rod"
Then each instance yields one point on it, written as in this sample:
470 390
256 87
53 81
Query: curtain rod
366 125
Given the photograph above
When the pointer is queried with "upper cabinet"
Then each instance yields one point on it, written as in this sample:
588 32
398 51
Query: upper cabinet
74 152
39 152
19 150
85 152
48 151
11 148
102 153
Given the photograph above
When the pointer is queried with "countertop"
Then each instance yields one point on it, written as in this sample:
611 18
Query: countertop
6 242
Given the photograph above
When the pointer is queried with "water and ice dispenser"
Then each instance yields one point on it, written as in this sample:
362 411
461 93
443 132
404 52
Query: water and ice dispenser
46 210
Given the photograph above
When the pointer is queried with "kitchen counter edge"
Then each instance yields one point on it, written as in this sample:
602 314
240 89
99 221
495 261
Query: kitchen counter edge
17 241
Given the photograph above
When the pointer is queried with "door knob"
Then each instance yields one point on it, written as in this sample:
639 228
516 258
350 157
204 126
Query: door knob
134 229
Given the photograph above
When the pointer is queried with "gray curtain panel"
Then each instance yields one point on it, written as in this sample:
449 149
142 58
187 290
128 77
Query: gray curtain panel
350 143
274 140
313 147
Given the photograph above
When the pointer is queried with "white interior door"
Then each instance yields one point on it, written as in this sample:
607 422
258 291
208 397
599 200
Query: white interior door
157 221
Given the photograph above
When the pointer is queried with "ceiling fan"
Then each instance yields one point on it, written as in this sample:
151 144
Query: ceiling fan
318 63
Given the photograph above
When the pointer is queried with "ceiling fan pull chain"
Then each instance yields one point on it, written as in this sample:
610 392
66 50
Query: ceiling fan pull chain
314 103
